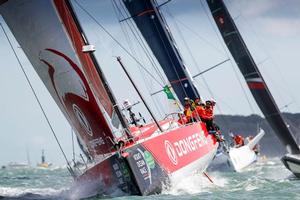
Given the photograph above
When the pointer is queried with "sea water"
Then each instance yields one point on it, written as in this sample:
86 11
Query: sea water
267 179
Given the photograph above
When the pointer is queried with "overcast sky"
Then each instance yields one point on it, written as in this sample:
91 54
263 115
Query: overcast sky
271 29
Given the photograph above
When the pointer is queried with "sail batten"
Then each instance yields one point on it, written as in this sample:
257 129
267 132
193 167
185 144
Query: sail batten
251 73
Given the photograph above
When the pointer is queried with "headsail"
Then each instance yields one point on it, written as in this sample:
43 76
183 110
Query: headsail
50 36
154 29
254 79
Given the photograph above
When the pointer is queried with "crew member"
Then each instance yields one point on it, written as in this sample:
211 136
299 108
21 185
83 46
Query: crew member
239 141
199 111
209 115
188 109
197 102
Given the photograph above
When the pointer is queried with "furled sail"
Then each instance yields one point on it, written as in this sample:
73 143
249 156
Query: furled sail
253 77
52 39
154 29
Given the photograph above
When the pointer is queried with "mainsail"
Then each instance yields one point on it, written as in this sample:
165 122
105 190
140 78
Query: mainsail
52 39
154 29
254 79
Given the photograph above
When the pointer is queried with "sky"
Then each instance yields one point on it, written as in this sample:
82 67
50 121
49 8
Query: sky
270 29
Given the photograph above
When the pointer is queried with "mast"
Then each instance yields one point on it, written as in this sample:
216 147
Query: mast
139 93
253 77
154 29
99 71
43 159
53 41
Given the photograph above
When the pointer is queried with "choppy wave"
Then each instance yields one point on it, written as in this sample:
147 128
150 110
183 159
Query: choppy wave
29 193
267 178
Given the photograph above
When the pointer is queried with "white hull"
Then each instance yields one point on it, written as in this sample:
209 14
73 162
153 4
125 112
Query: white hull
292 163
236 159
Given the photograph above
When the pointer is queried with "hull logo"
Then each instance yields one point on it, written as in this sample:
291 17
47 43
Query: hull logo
171 152
82 120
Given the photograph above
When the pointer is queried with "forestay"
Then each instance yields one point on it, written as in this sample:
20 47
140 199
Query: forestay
253 77
52 39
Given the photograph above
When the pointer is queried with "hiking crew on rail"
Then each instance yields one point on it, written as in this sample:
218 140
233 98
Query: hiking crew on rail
198 111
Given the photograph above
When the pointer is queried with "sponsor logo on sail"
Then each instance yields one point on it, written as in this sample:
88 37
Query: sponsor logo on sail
82 120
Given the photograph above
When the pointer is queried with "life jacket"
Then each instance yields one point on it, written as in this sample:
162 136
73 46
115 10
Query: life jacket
187 111
199 112
239 140
209 112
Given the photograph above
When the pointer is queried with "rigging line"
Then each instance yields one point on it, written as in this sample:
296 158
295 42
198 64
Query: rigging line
110 35
207 70
115 6
164 3
195 76
36 98
223 118
286 106
199 36
280 94
141 42
261 62
68 24
231 61
195 62
190 52
73 146
221 100
164 44
261 45
123 28
135 32
243 88
138 37
156 105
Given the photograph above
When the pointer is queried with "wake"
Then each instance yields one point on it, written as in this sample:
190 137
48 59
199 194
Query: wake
195 184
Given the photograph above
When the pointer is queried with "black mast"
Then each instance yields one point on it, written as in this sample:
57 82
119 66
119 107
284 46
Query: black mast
253 77
154 29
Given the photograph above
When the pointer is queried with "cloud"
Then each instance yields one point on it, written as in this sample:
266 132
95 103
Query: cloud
256 8
273 17
283 27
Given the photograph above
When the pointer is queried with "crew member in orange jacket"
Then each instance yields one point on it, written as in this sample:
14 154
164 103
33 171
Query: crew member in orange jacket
238 140
199 111
209 115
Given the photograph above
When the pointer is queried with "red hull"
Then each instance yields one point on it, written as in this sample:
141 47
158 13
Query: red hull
52 41
152 161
